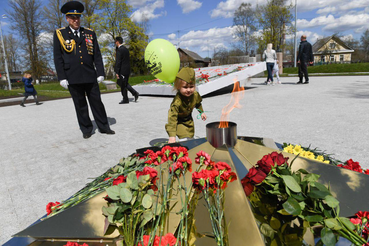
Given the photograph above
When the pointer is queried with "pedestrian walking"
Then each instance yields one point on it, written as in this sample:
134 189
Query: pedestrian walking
122 70
29 89
270 56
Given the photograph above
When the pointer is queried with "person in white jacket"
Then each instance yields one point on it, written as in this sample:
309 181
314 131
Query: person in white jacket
276 71
270 57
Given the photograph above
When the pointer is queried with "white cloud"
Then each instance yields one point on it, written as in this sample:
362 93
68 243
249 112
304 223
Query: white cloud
45 38
148 11
226 9
203 41
326 10
139 3
172 36
334 25
189 5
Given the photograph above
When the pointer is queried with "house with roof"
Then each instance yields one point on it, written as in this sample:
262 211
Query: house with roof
191 59
331 50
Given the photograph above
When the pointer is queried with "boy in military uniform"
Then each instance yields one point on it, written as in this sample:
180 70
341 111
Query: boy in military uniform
180 121
79 66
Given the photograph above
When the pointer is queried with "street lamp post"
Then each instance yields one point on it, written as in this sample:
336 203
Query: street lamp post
5 62
295 43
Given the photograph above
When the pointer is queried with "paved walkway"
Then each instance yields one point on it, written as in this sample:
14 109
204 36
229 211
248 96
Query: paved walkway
44 157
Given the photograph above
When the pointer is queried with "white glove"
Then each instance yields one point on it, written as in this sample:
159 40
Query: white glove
100 79
64 83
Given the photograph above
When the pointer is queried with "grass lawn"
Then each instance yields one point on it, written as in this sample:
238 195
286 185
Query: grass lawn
53 90
332 68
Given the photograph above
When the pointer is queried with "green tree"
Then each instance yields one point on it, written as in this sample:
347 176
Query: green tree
54 18
27 20
113 21
275 21
244 22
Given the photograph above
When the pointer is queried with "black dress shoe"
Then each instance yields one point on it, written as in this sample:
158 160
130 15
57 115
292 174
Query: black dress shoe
87 135
306 82
300 82
109 132
22 105
38 103
123 102
136 97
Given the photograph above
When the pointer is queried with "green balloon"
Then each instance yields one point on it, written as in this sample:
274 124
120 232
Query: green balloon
162 60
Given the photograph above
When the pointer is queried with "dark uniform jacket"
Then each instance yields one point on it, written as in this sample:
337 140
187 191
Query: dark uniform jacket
180 121
122 66
78 66
305 52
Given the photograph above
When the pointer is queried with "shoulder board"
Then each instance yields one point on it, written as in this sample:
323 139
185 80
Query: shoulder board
88 29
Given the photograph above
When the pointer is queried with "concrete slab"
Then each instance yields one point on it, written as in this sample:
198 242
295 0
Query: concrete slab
44 157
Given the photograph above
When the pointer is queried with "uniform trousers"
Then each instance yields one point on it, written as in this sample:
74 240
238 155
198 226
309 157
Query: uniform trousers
125 87
92 91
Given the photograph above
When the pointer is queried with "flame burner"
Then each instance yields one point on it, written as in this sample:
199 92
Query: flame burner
218 136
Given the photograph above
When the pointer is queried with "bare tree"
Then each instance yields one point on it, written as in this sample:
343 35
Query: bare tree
89 15
244 22
364 39
54 18
26 20
12 52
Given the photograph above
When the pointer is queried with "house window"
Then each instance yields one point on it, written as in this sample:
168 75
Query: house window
332 45
331 58
322 58
341 58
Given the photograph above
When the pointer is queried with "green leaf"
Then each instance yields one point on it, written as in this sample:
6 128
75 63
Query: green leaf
123 185
318 194
275 223
303 171
147 201
292 206
109 210
132 180
347 223
298 197
150 192
328 237
331 201
143 179
272 180
113 192
283 212
311 177
125 195
314 218
267 230
291 183
320 186
332 223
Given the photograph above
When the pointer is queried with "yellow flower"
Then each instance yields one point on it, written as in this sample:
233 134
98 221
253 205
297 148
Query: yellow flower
289 149
326 161
297 149
320 158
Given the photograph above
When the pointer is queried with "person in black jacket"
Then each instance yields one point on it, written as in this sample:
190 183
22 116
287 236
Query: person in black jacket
305 56
122 70
79 65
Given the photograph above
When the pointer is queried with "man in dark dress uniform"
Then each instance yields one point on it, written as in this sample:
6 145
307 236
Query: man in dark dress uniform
122 70
79 66
304 57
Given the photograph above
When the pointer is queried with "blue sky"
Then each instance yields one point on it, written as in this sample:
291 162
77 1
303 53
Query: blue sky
202 25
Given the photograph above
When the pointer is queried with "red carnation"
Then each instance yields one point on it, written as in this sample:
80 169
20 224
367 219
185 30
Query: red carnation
201 155
51 206
247 186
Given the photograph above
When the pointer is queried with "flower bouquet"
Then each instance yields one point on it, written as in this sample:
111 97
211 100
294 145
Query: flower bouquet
287 203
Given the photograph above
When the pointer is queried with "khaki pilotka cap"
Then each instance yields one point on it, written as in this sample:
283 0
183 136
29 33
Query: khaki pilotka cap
187 74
